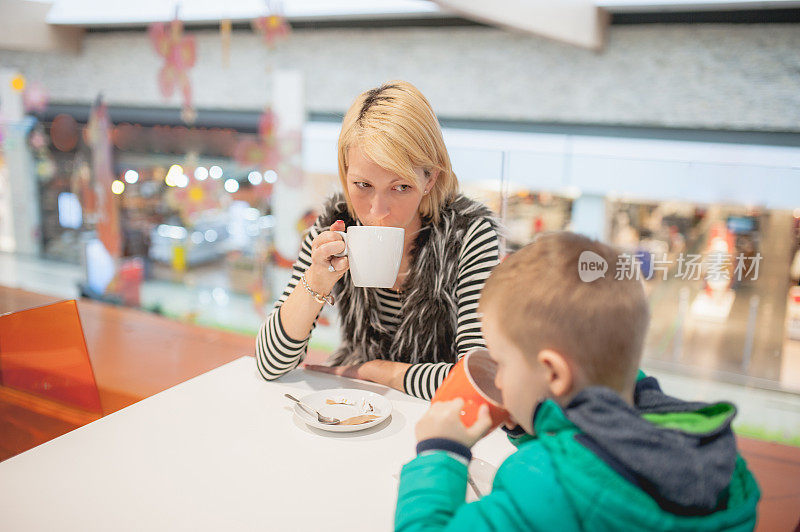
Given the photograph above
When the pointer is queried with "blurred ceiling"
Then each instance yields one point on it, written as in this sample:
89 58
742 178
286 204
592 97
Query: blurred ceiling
90 13
51 25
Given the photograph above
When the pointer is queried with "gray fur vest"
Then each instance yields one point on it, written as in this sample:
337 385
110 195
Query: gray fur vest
429 307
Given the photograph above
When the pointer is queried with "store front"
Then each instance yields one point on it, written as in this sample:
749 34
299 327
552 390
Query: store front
192 214
719 279
197 226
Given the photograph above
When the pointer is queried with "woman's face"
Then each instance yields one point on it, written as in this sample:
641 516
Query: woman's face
381 197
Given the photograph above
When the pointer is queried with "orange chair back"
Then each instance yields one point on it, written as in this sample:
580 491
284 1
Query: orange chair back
43 354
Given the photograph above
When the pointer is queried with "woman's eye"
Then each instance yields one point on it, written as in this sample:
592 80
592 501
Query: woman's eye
361 184
403 188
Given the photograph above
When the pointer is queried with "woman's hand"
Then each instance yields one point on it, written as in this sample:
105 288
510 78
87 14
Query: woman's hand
351 372
323 248
384 372
443 420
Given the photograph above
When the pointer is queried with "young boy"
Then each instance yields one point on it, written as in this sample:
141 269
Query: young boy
599 446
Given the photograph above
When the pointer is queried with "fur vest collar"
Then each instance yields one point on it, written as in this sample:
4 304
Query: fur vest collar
429 307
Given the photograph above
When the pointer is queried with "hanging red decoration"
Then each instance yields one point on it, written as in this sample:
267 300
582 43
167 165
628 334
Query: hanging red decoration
254 154
225 28
98 136
179 52
273 27
263 152
197 196
266 124
35 98
272 151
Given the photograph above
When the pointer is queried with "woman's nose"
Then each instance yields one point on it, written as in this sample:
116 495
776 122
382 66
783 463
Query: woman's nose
379 209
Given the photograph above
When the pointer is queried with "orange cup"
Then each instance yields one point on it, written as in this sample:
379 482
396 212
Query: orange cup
472 379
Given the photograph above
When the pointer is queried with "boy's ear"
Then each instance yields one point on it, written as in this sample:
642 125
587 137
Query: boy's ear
558 372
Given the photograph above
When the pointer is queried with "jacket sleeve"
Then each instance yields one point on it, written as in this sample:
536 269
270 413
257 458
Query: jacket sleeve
524 497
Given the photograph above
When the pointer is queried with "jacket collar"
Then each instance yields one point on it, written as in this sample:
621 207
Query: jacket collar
681 453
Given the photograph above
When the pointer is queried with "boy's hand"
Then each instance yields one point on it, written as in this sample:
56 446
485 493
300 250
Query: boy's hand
443 420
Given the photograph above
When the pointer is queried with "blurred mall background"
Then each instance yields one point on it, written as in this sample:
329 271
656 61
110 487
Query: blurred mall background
172 163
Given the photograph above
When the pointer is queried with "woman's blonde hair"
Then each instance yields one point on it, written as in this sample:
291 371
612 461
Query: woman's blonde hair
395 126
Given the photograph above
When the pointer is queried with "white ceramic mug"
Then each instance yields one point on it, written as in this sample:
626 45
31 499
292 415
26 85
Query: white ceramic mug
374 253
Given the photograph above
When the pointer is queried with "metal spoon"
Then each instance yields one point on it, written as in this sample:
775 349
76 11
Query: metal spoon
325 420
474 486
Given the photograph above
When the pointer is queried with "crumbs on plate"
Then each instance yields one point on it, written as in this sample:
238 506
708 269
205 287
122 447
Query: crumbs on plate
358 420
338 402
363 405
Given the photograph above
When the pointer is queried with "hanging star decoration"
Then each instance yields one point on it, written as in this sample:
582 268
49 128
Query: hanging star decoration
180 53
263 152
271 151
199 195
272 27
35 98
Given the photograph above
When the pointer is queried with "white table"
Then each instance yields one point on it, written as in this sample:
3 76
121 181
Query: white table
222 451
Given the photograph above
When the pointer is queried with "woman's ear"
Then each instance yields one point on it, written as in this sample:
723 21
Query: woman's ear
558 373
432 175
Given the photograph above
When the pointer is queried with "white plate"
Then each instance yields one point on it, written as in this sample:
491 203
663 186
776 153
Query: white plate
358 404
482 473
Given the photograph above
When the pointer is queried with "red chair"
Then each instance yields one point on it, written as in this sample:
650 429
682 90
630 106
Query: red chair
47 386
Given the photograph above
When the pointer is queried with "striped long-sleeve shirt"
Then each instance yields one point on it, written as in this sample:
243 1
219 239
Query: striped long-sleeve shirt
278 353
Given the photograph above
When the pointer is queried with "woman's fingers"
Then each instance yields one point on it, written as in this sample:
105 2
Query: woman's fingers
327 267
324 252
320 368
326 237
344 371
329 235
340 264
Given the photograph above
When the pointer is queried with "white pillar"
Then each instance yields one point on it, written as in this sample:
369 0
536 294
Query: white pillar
289 202
19 206
589 216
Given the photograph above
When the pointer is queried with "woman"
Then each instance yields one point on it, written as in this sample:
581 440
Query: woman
395 171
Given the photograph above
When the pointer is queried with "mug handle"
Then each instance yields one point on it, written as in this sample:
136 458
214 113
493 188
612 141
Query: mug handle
344 237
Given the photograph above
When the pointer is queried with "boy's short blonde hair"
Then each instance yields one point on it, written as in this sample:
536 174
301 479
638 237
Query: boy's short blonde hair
539 302
395 126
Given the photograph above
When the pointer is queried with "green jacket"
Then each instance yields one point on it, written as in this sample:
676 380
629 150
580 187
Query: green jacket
683 474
